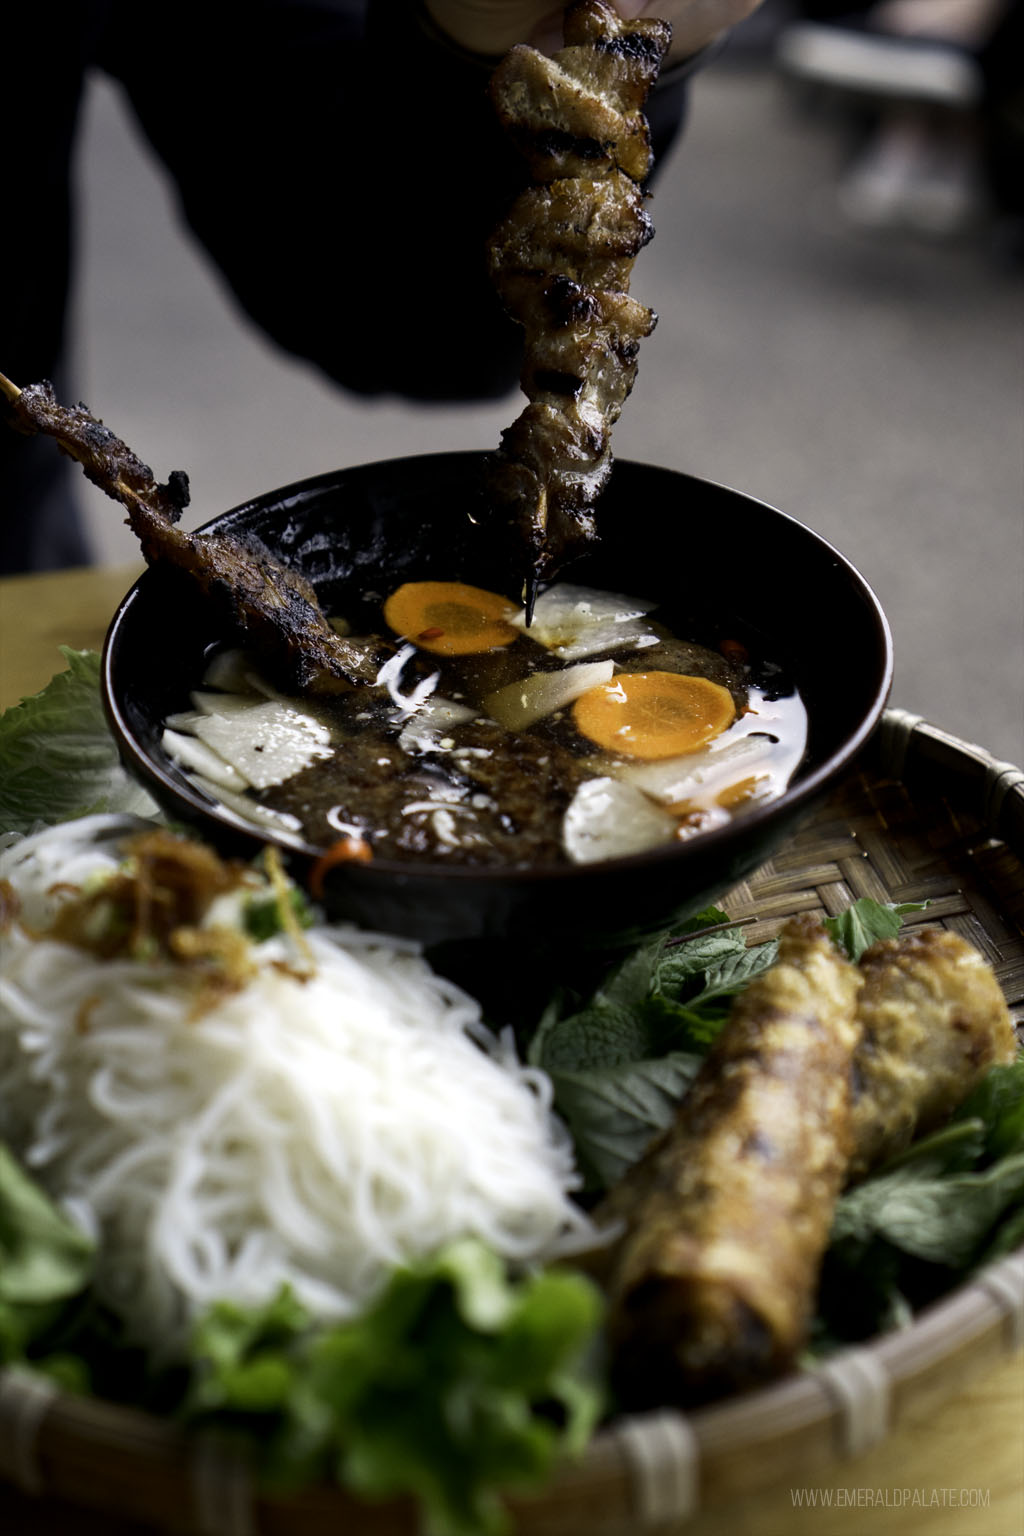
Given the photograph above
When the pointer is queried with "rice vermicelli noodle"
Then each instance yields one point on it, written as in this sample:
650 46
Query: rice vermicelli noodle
314 1130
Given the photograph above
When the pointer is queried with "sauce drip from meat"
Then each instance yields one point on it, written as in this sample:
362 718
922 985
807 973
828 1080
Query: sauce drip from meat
490 743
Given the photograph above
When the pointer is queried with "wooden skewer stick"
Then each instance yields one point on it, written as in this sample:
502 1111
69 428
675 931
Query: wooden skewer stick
10 390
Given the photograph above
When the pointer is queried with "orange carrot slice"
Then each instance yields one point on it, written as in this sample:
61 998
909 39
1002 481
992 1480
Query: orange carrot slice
450 618
654 714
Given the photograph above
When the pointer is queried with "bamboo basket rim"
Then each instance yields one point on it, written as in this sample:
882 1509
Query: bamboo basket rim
647 1472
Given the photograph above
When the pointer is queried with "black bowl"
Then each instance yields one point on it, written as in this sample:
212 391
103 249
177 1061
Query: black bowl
733 566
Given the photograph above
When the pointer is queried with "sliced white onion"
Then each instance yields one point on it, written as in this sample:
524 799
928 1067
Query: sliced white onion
575 622
519 704
265 740
608 819
262 816
673 780
191 753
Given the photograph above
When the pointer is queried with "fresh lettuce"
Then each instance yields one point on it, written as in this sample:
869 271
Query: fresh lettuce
57 757
460 1383
457 1384
45 1263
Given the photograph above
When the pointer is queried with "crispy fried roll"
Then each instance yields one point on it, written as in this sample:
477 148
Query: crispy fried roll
561 261
711 1287
934 1021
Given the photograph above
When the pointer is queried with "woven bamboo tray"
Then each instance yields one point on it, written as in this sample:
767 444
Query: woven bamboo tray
926 817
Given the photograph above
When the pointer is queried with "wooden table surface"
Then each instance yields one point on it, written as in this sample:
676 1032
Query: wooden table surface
959 1471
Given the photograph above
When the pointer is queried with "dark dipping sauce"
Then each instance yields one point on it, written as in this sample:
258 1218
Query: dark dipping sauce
422 771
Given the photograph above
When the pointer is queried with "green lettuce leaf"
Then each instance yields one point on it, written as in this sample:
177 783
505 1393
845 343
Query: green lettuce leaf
57 757
45 1260
457 1384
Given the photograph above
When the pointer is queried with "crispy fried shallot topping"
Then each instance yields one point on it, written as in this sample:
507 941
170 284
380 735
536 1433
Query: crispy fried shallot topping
164 889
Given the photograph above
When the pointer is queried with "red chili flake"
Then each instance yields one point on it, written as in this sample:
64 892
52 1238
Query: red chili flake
347 850
430 634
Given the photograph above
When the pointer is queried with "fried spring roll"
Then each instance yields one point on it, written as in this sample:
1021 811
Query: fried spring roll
934 1021
711 1287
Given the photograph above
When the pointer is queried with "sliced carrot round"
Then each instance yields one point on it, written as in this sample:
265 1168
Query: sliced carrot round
450 618
654 714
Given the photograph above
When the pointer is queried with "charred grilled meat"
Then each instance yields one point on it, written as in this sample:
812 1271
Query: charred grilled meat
728 1214
273 610
934 1020
561 261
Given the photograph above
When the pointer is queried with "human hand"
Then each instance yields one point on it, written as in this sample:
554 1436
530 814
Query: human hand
493 26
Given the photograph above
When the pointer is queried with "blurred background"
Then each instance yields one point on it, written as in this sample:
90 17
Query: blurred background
862 372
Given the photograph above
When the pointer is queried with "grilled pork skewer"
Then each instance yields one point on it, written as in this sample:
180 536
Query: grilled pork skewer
273 609
561 262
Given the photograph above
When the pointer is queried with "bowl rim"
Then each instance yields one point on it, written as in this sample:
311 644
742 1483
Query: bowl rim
802 791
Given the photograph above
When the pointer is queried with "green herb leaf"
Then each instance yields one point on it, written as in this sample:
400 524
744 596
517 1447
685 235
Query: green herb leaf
459 1382
866 921
57 757
733 973
45 1259
264 919
621 1064
615 1111
949 1204
944 1219
696 957
998 1102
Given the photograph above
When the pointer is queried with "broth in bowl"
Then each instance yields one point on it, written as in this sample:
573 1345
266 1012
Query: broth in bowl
596 731
720 566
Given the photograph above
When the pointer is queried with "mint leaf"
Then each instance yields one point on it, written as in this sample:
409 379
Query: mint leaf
693 957
57 757
998 1101
949 1204
44 1256
866 921
621 1064
734 972
614 1112
944 1220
